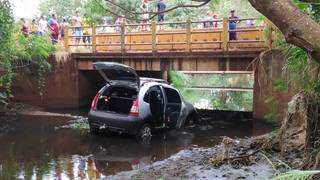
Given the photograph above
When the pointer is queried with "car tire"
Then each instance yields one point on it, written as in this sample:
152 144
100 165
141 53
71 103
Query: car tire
192 118
145 132
94 130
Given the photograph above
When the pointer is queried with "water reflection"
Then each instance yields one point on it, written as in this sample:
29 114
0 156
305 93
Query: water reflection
36 149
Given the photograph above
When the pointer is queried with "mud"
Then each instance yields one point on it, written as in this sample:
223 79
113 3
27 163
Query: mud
195 163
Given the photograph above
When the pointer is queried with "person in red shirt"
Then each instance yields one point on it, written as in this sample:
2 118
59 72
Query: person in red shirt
53 25
215 23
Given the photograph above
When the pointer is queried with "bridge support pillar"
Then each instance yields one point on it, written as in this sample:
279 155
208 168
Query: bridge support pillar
269 102
165 75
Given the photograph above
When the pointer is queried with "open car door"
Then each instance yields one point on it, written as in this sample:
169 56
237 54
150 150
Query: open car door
173 107
157 105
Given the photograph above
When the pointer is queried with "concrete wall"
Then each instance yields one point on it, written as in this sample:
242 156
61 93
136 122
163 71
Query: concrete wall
267 71
61 89
68 86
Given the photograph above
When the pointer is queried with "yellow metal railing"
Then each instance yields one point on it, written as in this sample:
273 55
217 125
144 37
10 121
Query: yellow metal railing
155 37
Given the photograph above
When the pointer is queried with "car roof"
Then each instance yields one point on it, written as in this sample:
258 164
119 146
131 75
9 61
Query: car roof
144 80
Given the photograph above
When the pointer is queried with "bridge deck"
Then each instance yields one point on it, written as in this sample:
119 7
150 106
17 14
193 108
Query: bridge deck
184 39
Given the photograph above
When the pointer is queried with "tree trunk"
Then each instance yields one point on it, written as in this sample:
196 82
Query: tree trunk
298 28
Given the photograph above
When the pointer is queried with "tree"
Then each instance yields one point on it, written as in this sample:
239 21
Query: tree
297 27
19 52
63 8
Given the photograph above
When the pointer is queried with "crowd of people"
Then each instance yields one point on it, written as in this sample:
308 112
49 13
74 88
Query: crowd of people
51 26
56 30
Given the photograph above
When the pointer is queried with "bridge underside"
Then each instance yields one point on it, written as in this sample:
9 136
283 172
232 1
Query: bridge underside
178 61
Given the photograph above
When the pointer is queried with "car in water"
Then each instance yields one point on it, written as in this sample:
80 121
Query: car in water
136 106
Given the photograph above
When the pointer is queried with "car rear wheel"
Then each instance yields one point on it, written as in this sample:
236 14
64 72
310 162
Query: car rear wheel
94 130
145 132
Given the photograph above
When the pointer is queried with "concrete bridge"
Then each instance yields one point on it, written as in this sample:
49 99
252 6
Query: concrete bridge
182 46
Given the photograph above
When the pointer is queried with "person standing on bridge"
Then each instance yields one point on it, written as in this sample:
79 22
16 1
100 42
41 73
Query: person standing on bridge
161 7
53 25
43 25
78 27
145 14
233 20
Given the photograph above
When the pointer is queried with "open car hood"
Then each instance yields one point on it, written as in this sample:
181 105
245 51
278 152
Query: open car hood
115 72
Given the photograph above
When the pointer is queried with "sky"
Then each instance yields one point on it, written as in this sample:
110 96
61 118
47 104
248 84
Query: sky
25 8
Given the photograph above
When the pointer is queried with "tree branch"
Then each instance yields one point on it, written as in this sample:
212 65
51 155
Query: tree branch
154 14
298 28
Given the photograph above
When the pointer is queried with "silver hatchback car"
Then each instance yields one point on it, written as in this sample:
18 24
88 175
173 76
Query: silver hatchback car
134 105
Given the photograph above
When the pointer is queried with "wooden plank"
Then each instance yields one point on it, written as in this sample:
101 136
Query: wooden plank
94 38
154 36
188 36
123 39
225 34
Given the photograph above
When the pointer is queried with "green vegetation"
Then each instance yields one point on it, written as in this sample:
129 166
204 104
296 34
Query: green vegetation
297 175
95 11
19 53
64 8
242 7
210 98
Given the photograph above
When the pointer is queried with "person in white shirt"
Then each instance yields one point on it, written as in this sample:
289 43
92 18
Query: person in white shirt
43 24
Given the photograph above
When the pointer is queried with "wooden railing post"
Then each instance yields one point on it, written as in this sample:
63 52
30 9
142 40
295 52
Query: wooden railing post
225 34
188 35
94 38
66 39
123 39
154 36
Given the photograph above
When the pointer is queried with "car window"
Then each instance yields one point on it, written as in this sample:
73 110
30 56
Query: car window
172 96
146 97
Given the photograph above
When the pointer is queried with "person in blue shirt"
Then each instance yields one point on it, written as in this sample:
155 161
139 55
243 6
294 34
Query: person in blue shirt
233 20
161 7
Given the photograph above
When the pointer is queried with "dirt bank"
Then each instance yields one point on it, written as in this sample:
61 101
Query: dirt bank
196 163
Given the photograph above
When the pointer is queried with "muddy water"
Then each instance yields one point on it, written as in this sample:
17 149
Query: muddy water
35 148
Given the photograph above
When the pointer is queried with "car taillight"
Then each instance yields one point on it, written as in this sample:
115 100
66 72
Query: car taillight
95 101
135 108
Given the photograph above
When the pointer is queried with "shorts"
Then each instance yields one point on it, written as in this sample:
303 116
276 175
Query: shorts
78 32
160 17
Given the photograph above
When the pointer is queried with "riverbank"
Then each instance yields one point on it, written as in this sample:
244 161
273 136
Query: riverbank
199 163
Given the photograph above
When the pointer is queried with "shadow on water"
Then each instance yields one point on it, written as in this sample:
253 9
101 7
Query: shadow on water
36 148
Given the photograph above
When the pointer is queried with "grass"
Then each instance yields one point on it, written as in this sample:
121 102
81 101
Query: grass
297 175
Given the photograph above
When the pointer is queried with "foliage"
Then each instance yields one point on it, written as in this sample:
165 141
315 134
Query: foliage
63 8
32 53
297 175
6 30
300 70
98 10
210 98
242 7
16 51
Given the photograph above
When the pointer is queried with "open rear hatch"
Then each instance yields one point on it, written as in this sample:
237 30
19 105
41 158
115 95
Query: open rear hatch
115 72
122 94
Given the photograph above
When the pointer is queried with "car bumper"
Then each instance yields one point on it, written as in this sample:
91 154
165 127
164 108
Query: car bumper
115 122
